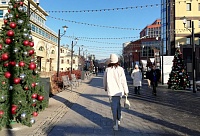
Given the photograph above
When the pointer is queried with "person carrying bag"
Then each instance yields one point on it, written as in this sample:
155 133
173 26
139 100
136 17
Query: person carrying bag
115 83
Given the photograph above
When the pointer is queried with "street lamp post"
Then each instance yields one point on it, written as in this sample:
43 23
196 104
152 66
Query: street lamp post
193 52
29 9
59 37
162 64
72 50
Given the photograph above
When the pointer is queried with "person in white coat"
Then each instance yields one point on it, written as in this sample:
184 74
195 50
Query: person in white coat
115 83
136 75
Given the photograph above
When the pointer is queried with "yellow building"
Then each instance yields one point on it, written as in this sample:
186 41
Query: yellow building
45 40
173 31
191 11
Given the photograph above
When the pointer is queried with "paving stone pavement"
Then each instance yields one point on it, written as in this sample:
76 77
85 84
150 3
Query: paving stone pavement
85 111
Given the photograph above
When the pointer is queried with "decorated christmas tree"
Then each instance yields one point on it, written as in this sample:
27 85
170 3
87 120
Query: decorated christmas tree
21 95
178 78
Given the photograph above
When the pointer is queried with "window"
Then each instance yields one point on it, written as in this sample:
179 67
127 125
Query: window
73 61
188 40
199 6
188 23
199 23
62 61
1 13
52 52
41 48
188 8
67 61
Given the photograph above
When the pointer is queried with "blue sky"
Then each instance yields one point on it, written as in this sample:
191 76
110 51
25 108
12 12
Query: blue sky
100 41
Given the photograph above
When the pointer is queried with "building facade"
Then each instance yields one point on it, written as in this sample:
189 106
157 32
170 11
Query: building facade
175 33
143 49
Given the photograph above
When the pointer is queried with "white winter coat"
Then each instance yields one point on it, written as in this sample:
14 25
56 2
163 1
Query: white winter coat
114 81
136 75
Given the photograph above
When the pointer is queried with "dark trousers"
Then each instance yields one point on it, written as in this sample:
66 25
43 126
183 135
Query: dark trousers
154 85
137 90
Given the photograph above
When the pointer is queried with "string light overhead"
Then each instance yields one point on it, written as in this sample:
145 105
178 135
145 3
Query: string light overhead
113 9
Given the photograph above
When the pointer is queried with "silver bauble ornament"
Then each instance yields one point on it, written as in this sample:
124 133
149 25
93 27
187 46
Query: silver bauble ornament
17 65
22 76
30 38
25 35
11 87
32 121
20 22
37 83
15 50
6 46
10 16
25 53
2 98
23 115
25 30
32 60
34 100
20 9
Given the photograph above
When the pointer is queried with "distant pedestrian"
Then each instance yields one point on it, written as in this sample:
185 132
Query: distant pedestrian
136 75
154 77
148 77
115 84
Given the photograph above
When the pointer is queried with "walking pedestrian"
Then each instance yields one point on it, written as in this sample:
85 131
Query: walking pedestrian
148 77
136 75
154 77
115 84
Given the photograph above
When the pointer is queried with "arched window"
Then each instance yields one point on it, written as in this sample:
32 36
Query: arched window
41 48
52 52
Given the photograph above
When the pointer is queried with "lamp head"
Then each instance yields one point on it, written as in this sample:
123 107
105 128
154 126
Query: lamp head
184 20
37 2
65 28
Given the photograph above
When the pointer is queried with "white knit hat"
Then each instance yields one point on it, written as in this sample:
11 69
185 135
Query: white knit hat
113 58
136 66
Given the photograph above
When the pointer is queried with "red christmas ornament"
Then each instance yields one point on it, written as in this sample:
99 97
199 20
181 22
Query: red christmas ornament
25 43
16 80
17 16
26 88
35 114
21 3
8 41
13 25
21 64
40 98
6 64
31 44
1 113
13 109
33 84
12 63
9 11
4 56
7 74
32 66
5 21
10 33
31 52
1 46
34 96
